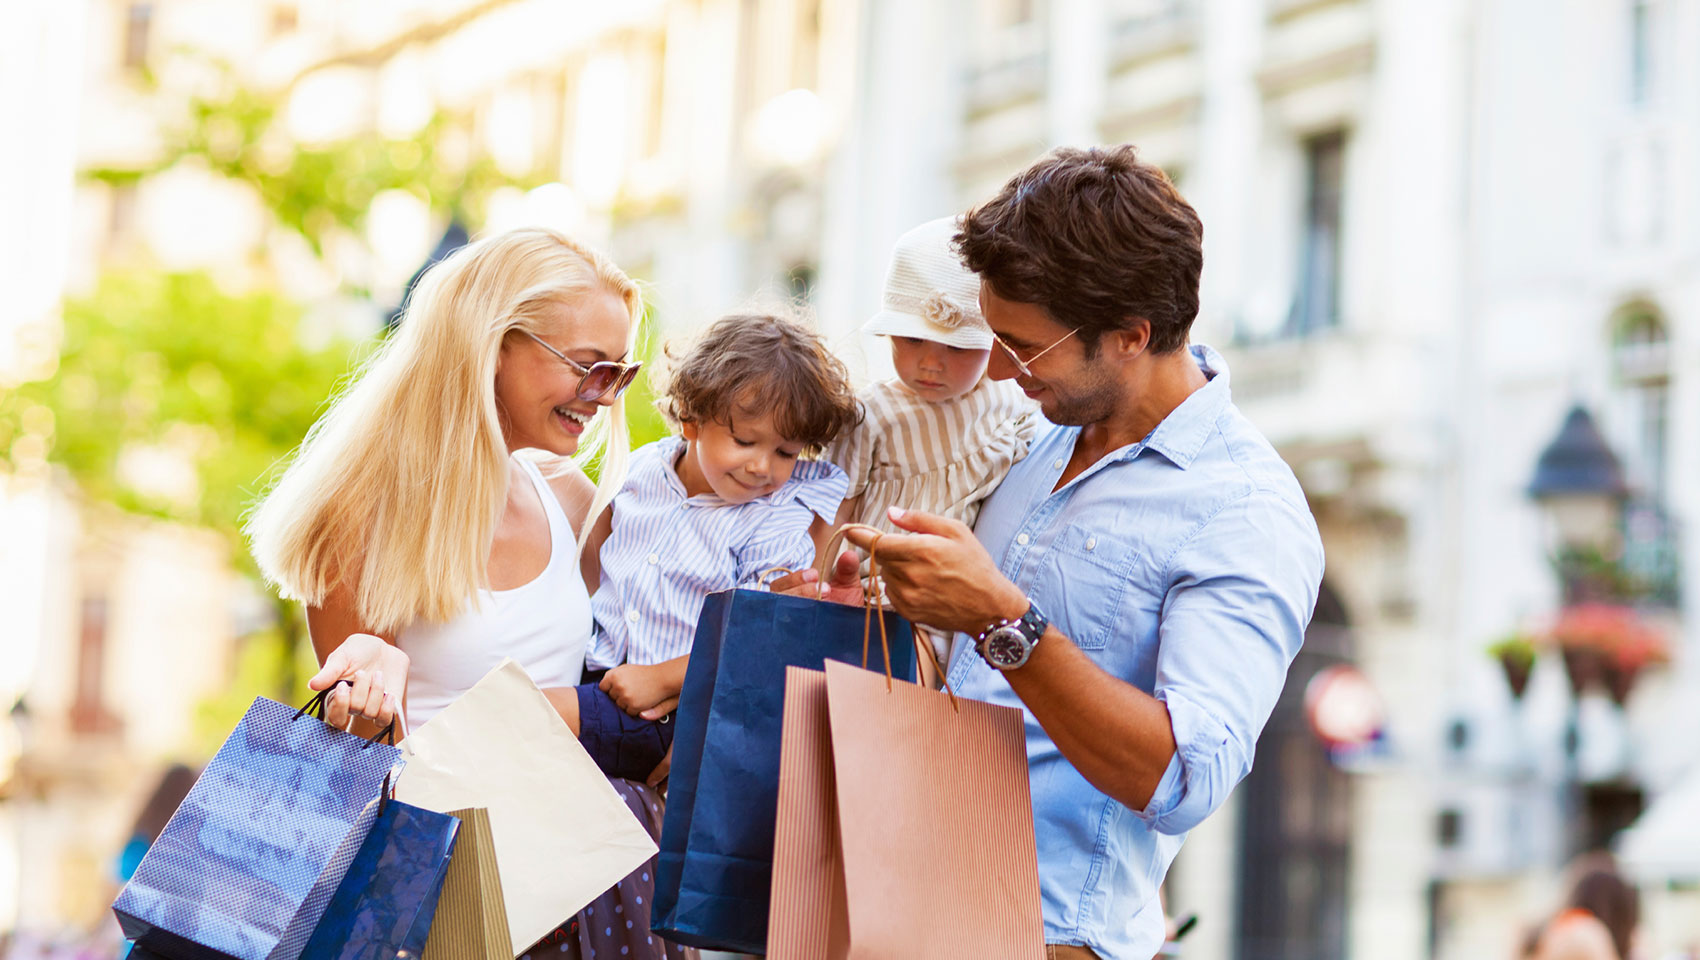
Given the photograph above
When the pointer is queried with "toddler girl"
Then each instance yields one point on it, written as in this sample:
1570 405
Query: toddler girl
711 509
941 436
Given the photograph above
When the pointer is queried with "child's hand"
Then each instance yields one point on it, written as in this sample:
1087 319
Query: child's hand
636 687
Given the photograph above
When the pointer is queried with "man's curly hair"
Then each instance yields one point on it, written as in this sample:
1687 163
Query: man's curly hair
1098 238
751 364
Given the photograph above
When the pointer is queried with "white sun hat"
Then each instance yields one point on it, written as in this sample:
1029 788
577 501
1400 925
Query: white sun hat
929 293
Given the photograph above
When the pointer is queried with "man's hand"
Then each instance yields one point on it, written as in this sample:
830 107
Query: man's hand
638 689
939 574
844 587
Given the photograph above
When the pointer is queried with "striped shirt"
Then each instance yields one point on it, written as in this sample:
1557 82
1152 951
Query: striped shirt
942 458
668 551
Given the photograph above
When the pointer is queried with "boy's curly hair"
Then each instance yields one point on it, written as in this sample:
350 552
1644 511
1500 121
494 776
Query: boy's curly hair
750 364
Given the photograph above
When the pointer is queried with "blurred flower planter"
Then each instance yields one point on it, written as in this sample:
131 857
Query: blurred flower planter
1619 681
1516 655
1582 666
1606 644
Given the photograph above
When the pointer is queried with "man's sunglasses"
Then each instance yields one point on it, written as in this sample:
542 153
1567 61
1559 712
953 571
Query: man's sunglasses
1022 365
606 378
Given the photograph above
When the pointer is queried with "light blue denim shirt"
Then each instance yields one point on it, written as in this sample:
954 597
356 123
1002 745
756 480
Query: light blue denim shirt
1186 565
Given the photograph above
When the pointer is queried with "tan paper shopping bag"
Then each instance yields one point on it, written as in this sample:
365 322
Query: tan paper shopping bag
918 884
561 834
807 917
471 921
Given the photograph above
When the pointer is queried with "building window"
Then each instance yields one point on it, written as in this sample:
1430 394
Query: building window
800 282
1640 51
654 74
1012 12
121 216
1641 371
1317 303
138 26
285 19
89 714
805 61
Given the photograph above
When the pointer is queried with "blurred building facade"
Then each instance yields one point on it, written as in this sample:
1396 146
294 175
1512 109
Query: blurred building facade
1432 226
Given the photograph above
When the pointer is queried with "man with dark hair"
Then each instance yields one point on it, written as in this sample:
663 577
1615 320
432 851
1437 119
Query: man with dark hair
1140 583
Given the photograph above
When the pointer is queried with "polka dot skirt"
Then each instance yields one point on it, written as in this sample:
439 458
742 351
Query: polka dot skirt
616 924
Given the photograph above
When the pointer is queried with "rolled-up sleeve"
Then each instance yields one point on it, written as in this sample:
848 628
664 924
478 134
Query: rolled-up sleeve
781 543
1241 592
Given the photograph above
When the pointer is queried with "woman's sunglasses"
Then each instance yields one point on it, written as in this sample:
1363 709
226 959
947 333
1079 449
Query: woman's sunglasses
605 378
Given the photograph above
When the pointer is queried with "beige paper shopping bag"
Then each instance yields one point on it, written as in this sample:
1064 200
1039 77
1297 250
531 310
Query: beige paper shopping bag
918 884
472 920
562 835
807 917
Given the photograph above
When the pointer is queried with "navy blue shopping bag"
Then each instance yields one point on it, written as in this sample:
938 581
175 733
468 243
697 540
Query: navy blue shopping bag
246 866
715 869
384 906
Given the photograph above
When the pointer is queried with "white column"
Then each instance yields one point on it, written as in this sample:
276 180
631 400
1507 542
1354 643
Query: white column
1222 182
1078 67
41 66
890 169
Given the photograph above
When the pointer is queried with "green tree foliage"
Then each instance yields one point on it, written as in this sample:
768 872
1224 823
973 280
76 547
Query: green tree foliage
175 399
169 368
316 190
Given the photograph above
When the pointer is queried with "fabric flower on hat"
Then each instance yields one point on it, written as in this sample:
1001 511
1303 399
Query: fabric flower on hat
937 309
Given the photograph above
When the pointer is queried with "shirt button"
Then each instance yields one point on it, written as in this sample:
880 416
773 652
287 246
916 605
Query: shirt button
1023 539
1091 543
1057 464
632 615
654 558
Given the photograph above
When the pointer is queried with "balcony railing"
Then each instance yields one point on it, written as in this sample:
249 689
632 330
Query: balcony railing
1141 29
1651 558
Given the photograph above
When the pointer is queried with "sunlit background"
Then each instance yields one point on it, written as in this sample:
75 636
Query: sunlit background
1452 258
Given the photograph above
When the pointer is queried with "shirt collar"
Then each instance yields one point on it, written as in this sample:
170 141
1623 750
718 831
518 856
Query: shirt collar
1182 433
799 488
666 454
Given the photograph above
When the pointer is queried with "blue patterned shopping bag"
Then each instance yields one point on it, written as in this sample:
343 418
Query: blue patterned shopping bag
247 864
384 906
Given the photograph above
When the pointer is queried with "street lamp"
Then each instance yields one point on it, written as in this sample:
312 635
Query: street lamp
1580 485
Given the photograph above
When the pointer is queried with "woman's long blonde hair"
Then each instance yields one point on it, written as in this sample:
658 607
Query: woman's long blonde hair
396 492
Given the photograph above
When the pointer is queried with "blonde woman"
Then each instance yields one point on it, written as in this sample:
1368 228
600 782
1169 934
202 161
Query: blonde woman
425 550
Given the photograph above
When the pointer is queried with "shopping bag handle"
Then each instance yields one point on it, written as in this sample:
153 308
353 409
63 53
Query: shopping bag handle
828 557
873 598
926 649
829 554
316 709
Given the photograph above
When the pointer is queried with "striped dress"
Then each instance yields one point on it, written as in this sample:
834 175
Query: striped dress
667 551
942 458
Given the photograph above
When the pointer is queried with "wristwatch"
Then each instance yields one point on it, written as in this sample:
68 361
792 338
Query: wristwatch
1008 644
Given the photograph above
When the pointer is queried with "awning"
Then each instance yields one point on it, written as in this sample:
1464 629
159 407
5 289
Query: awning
1664 842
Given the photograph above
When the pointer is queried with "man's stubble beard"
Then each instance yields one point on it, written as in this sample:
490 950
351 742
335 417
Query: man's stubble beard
1092 402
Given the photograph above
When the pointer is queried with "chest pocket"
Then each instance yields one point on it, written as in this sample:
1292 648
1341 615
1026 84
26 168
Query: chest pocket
1087 586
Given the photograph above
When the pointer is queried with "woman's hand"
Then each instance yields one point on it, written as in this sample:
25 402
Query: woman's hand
661 770
378 672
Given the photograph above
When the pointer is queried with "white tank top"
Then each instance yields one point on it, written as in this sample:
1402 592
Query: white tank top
543 625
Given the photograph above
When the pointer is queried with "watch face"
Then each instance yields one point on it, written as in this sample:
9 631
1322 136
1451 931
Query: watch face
1007 648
